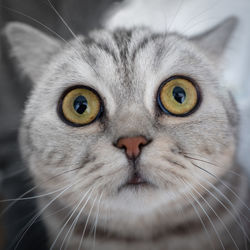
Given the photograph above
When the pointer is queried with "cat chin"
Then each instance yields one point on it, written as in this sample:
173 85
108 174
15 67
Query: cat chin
139 214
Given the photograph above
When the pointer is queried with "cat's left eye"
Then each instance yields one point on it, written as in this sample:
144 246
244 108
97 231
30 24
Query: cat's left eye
80 106
178 96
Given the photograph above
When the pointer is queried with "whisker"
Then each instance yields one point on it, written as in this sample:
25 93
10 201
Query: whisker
206 214
38 22
33 188
223 183
72 213
178 10
61 18
96 220
12 174
164 174
56 212
71 229
218 217
226 208
213 164
210 220
233 207
226 198
53 32
239 222
174 162
31 222
206 22
202 222
212 6
33 197
71 31
81 241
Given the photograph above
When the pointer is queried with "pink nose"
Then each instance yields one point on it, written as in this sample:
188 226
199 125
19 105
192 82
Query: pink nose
132 145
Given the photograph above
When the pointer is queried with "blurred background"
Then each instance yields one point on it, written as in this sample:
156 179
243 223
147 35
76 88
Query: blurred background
188 17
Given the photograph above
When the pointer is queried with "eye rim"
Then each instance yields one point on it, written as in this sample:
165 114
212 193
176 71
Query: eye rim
60 104
197 88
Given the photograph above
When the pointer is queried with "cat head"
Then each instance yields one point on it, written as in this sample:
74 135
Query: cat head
134 121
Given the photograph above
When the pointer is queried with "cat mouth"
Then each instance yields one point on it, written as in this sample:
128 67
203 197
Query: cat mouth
135 181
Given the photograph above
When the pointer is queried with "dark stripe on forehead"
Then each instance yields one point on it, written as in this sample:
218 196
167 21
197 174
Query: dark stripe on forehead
122 38
89 42
144 42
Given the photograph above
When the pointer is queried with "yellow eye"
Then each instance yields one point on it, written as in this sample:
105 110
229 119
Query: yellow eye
80 106
178 96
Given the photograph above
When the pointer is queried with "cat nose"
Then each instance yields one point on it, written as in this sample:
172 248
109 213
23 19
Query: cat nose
132 145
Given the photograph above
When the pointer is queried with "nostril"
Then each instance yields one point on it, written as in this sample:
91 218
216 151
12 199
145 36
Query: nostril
142 145
145 143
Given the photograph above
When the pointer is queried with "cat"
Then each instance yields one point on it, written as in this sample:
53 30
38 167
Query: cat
131 139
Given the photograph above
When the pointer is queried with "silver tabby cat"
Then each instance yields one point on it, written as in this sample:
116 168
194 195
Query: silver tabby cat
131 139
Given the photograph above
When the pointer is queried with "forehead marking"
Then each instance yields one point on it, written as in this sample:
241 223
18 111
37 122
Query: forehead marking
143 43
89 42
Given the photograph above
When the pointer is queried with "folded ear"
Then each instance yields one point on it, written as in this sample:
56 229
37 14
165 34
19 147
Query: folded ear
214 41
32 48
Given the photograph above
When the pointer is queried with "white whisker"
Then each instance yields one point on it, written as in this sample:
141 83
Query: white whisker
61 18
96 220
213 164
205 212
202 222
223 183
74 210
71 31
38 22
218 217
12 174
32 189
33 197
72 227
188 22
227 209
178 10
85 227
31 222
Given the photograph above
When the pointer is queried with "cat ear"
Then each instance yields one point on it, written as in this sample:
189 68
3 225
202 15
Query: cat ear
214 41
32 48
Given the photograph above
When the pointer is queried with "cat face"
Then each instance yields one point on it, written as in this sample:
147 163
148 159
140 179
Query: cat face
135 195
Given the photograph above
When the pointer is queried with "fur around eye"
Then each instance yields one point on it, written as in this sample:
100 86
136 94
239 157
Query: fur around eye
80 106
178 96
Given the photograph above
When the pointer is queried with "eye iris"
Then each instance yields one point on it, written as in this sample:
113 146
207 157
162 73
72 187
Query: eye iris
179 94
80 104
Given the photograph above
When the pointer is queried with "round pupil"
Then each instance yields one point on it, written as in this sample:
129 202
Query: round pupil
179 94
80 104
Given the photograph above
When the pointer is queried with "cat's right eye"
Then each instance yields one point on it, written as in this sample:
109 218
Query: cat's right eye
80 106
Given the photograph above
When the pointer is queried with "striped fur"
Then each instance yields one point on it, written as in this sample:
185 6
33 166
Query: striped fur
190 162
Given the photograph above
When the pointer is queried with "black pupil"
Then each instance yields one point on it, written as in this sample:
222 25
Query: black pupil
179 94
80 104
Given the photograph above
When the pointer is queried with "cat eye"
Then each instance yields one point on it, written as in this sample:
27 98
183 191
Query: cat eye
178 96
80 106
